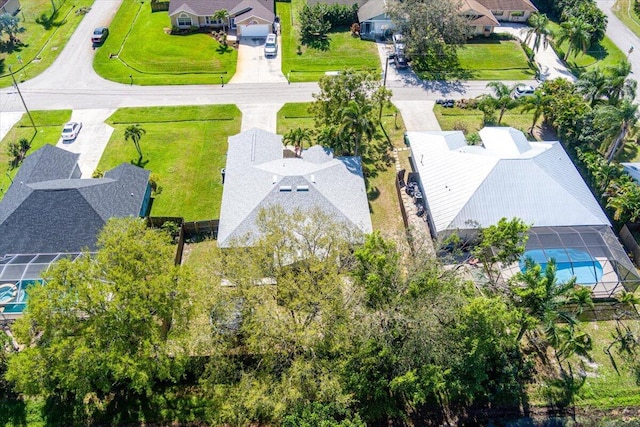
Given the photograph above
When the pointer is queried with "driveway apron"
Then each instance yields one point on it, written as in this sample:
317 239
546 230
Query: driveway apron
253 67
262 116
418 115
92 139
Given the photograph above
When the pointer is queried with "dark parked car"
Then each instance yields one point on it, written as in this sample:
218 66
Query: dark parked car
99 35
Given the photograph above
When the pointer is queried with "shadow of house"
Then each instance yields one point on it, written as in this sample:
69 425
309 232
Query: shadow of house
260 172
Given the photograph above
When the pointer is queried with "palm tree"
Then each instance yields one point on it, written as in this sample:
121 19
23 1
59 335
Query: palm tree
134 133
502 96
297 137
617 85
535 103
222 15
358 124
592 85
616 122
578 33
538 31
624 200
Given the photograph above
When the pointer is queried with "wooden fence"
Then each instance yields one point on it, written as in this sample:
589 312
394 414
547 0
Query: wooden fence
399 185
159 6
187 230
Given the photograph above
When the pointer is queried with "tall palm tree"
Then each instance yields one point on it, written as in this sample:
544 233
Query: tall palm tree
297 137
502 97
538 31
616 122
331 136
535 103
222 15
617 84
134 133
578 33
593 85
358 124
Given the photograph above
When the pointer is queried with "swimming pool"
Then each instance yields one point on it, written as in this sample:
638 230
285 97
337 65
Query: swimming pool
7 292
569 263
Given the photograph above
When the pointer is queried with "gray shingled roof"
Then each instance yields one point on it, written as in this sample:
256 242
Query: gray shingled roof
509 5
209 7
251 8
371 9
257 175
61 214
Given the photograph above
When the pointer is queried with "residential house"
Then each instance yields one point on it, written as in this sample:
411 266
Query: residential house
248 18
465 187
9 6
261 172
49 213
510 10
375 22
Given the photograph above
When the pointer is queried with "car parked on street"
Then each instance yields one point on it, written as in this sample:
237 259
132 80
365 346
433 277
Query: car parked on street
99 35
71 131
522 90
271 45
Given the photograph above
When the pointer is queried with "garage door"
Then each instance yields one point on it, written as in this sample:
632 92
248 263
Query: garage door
256 30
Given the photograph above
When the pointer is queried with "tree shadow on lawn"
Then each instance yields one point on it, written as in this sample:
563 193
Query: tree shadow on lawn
596 53
629 152
49 22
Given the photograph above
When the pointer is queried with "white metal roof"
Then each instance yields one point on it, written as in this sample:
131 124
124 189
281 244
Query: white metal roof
507 176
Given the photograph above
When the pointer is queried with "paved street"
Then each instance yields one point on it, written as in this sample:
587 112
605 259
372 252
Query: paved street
623 38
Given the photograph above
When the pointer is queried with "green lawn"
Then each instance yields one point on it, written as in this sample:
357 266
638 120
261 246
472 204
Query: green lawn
471 120
493 59
345 51
151 56
42 42
185 147
49 124
623 10
604 54
383 202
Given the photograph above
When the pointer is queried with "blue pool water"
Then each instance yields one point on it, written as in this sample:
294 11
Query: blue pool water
569 263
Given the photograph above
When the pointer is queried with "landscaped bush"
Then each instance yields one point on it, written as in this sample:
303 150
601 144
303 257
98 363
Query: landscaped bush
340 15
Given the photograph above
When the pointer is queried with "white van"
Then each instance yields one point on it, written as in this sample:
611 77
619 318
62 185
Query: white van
271 45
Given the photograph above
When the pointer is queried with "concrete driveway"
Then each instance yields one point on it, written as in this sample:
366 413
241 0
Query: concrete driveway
550 66
92 139
254 67
262 116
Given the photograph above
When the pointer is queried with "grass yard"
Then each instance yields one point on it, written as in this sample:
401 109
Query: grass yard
494 59
152 57
42 42
471 120
345 51
604 54
185 147
383 202
623 9
49 124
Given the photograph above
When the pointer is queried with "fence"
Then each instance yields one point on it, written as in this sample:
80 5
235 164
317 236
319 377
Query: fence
399 185
159 6
630 243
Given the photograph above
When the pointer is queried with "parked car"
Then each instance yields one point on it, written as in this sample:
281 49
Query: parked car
522 90
99 35
71 131
271 45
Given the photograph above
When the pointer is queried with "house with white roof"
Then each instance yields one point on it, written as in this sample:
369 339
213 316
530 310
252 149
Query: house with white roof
469 186
261 172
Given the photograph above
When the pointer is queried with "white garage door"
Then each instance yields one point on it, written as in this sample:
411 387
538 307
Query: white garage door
256 30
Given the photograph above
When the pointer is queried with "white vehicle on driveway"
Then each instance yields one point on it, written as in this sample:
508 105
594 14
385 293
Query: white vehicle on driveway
71 130
271 46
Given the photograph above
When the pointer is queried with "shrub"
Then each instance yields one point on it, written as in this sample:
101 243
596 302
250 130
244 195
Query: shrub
17 150
355 29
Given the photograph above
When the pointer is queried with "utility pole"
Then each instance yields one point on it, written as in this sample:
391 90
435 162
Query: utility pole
22 99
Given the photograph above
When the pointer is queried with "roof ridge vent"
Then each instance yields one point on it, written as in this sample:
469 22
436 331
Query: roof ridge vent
285 188
302 188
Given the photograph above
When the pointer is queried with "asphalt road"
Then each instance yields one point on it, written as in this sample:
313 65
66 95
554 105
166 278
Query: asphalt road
623 38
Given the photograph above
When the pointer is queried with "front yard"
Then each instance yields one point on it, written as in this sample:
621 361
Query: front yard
345 51
185 148
49 124
45 36
139 45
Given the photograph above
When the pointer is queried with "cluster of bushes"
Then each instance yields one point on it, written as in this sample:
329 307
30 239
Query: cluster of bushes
584 10
17 150
317 20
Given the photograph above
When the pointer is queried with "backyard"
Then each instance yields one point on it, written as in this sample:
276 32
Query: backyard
185 149
45 36
139 45
345 50
49 125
